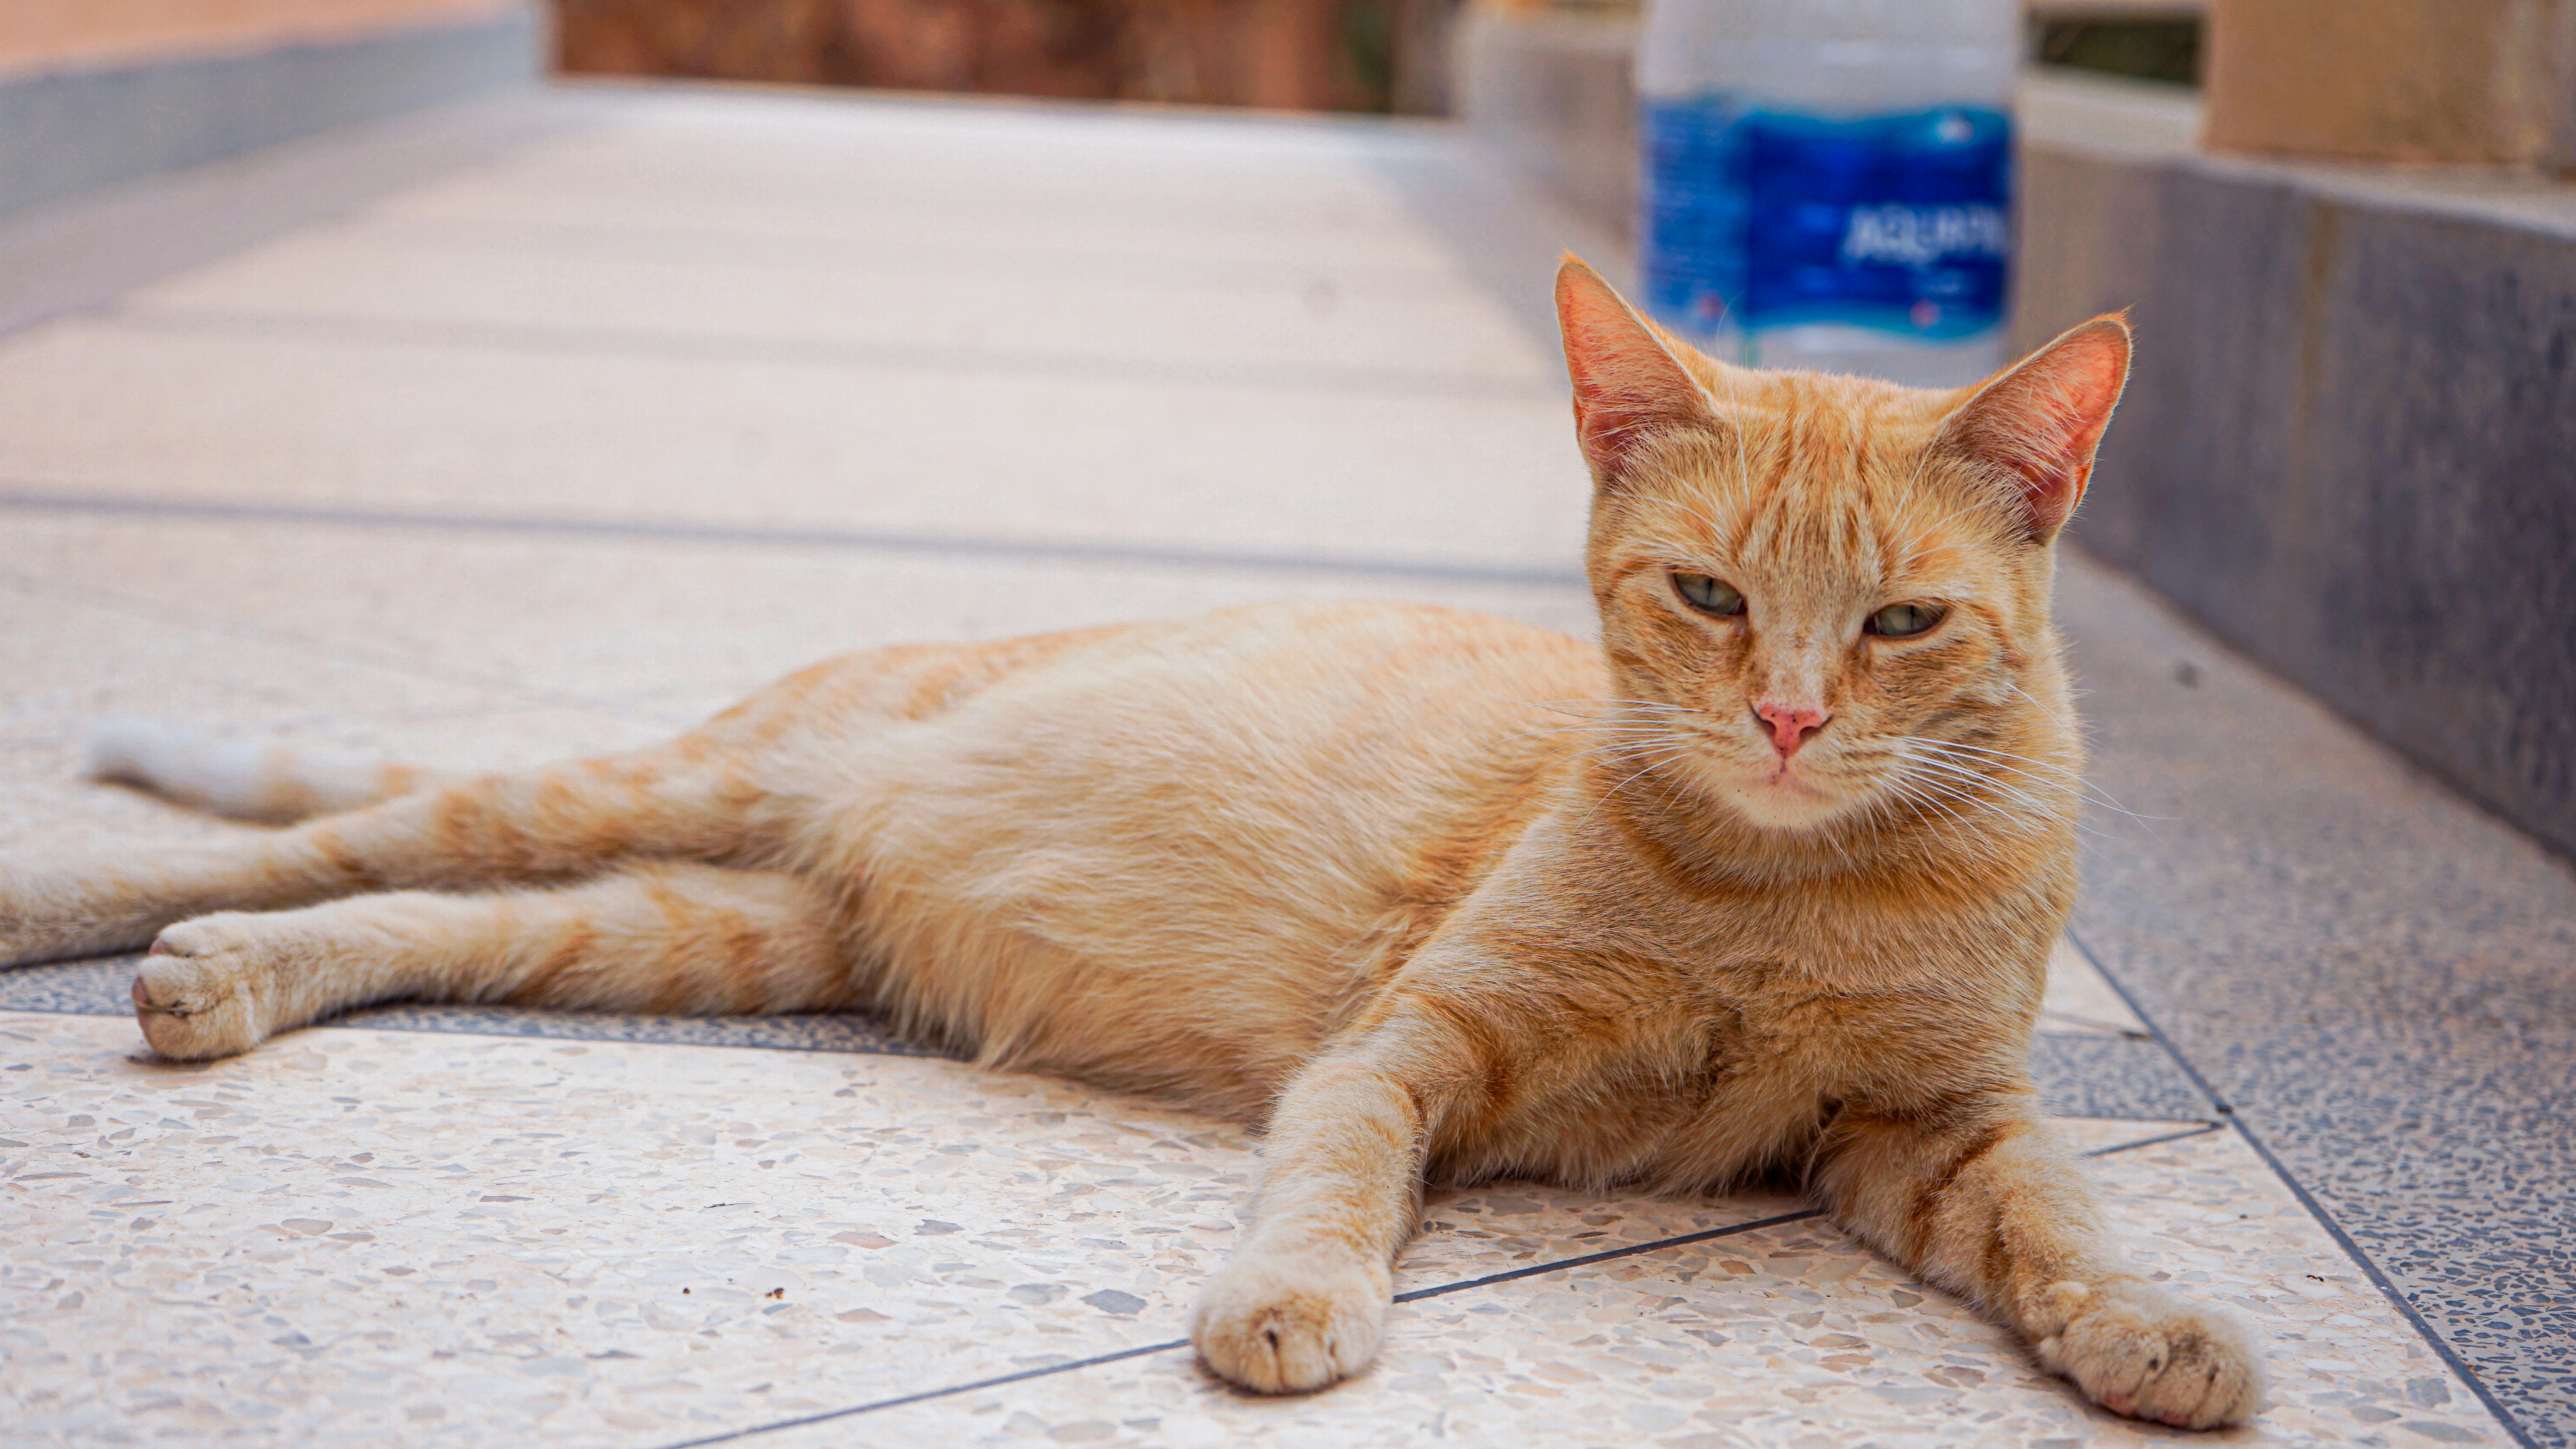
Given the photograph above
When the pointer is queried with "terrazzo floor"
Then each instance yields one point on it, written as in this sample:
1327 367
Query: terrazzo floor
561 447
482 1240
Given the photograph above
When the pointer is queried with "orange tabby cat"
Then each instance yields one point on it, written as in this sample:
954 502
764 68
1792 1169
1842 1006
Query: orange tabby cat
1765 882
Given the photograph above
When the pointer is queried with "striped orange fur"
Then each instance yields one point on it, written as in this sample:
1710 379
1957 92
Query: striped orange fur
1763 883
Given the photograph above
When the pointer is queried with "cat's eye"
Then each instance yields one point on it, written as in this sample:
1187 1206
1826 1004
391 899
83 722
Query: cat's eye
1901 621
1708 595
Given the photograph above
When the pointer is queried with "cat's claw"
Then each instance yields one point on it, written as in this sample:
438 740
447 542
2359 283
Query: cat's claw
2139 1351
200 994
1283 1327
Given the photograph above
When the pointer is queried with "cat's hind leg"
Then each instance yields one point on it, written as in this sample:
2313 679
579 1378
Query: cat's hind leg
668 937
246 779
693 799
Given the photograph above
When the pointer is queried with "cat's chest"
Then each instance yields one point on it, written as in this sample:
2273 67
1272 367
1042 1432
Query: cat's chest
1751 1073
1839 1002
1692 1098
1767 1054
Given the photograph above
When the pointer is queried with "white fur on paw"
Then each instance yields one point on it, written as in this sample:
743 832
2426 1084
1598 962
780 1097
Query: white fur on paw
1283 1324
203 992
2140 1351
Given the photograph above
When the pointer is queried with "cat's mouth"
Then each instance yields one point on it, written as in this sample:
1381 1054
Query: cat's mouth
1787 782
1784 796
1786 777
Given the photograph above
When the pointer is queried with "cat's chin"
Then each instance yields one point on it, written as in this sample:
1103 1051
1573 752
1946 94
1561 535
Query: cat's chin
1786 801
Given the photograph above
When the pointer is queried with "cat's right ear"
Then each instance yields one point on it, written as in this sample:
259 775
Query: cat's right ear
1628 386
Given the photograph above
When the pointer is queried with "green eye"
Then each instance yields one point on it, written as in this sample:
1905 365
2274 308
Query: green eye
1899 621
1708 595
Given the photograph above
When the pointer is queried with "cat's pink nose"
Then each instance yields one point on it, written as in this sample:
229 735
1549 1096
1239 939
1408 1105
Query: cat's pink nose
1790 724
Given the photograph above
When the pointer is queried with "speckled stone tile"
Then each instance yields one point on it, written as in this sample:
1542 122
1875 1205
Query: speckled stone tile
492 1240
1786 1336
485 1240
2378 977
72 988
2088 1074
2081 1001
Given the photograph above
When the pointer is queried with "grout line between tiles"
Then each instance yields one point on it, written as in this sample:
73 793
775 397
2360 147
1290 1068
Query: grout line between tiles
734 1435
2370 1269
874 255
1415 1296
1588 1259
2202 1130
909 357
21 498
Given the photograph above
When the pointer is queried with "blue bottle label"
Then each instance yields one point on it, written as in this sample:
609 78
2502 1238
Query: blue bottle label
1757 219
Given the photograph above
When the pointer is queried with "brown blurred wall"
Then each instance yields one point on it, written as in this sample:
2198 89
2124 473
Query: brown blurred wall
2489 82
1288 54
45 34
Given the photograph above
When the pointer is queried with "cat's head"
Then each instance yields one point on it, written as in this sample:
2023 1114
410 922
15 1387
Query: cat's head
1825 599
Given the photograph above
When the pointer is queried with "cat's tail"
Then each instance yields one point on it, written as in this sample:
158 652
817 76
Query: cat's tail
244 779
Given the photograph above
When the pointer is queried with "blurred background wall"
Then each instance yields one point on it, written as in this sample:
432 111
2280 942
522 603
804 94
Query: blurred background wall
1331 55
1323 55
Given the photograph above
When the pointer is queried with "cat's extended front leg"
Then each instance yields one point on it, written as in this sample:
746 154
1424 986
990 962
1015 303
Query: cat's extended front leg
1982 1200
1300 1304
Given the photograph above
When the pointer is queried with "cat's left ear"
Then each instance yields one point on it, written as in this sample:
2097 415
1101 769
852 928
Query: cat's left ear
2032 430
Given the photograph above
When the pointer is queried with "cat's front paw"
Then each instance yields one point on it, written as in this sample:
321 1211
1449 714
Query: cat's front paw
2140 1351
1284 1324
204 990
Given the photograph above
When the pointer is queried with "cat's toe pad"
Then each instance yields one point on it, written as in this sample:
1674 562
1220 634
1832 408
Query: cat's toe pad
200 992
1280 1326
2139 1351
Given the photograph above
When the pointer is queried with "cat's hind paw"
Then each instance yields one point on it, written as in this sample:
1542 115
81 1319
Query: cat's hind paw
2137 1350
1278 1325
203 992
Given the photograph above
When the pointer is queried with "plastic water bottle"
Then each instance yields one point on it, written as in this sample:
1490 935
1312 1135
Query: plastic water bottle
1827 184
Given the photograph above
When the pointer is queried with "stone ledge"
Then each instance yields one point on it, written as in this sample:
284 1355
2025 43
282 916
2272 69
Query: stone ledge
2350 445
68 132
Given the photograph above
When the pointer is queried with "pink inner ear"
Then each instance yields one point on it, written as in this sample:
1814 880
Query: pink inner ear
1626 384
2042 421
